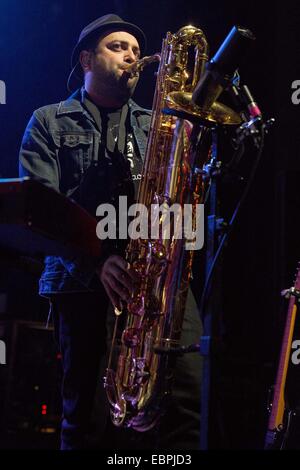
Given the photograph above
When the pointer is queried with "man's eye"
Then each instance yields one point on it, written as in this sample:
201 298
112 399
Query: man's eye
117 46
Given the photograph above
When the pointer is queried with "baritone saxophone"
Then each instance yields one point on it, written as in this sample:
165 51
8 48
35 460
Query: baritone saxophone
140 368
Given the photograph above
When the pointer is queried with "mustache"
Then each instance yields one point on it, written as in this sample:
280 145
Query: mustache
128 70
127 65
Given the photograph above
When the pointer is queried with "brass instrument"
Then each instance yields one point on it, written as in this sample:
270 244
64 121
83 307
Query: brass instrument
140 382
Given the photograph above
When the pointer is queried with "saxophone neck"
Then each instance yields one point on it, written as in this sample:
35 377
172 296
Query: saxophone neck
135 68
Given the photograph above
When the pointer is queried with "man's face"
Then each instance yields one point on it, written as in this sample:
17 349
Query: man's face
108 61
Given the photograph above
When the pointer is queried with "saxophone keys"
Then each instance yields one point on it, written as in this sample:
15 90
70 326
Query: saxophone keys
131 337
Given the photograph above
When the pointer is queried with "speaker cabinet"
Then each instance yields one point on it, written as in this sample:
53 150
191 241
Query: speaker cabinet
30 380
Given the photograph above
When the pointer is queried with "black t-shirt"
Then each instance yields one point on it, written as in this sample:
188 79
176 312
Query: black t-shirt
117 136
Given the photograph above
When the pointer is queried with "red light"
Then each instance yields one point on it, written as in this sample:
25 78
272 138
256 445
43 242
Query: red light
44 409
58 356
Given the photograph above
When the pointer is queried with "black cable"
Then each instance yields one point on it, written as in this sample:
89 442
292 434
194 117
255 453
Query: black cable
230 227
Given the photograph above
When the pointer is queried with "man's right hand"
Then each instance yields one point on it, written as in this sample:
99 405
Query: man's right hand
118 279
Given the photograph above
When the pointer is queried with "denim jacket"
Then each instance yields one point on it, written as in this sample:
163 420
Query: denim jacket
61 145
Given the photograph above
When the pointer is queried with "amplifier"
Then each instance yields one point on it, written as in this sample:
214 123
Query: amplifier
30 379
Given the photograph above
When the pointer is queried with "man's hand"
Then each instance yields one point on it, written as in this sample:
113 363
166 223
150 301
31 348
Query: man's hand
118 280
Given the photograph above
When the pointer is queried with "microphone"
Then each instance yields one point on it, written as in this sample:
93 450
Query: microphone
220 69
244 101
249 101
250 113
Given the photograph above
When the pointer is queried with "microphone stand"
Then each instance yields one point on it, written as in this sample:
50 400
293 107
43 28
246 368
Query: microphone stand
252 129
211 318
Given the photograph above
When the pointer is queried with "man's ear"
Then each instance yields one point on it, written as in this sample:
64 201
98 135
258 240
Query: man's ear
85 59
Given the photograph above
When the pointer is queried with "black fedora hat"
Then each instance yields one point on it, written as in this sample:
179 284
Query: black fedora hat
96 29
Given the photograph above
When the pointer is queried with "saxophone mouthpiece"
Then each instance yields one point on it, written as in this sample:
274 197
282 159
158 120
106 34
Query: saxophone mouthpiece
134 69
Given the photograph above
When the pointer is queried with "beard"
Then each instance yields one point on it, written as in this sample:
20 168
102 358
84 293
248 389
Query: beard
128 84
120 86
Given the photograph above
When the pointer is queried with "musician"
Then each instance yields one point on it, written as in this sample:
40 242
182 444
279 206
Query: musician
90 148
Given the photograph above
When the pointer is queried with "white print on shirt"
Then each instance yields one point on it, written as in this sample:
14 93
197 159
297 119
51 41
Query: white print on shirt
130 152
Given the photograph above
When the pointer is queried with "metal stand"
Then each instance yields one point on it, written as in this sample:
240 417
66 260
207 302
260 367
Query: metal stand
212 305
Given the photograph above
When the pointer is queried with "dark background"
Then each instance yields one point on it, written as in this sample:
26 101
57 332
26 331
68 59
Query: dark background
36 40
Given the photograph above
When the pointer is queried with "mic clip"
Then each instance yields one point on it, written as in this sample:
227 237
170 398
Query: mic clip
252 129
247 129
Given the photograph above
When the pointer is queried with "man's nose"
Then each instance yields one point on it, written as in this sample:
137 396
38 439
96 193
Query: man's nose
130 56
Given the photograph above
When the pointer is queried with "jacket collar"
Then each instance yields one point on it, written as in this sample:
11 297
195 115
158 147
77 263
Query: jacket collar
74 104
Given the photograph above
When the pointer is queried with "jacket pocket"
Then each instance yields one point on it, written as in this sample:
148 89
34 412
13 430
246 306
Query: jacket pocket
75 155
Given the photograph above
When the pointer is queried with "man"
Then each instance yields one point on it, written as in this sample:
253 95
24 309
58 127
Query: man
88 148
